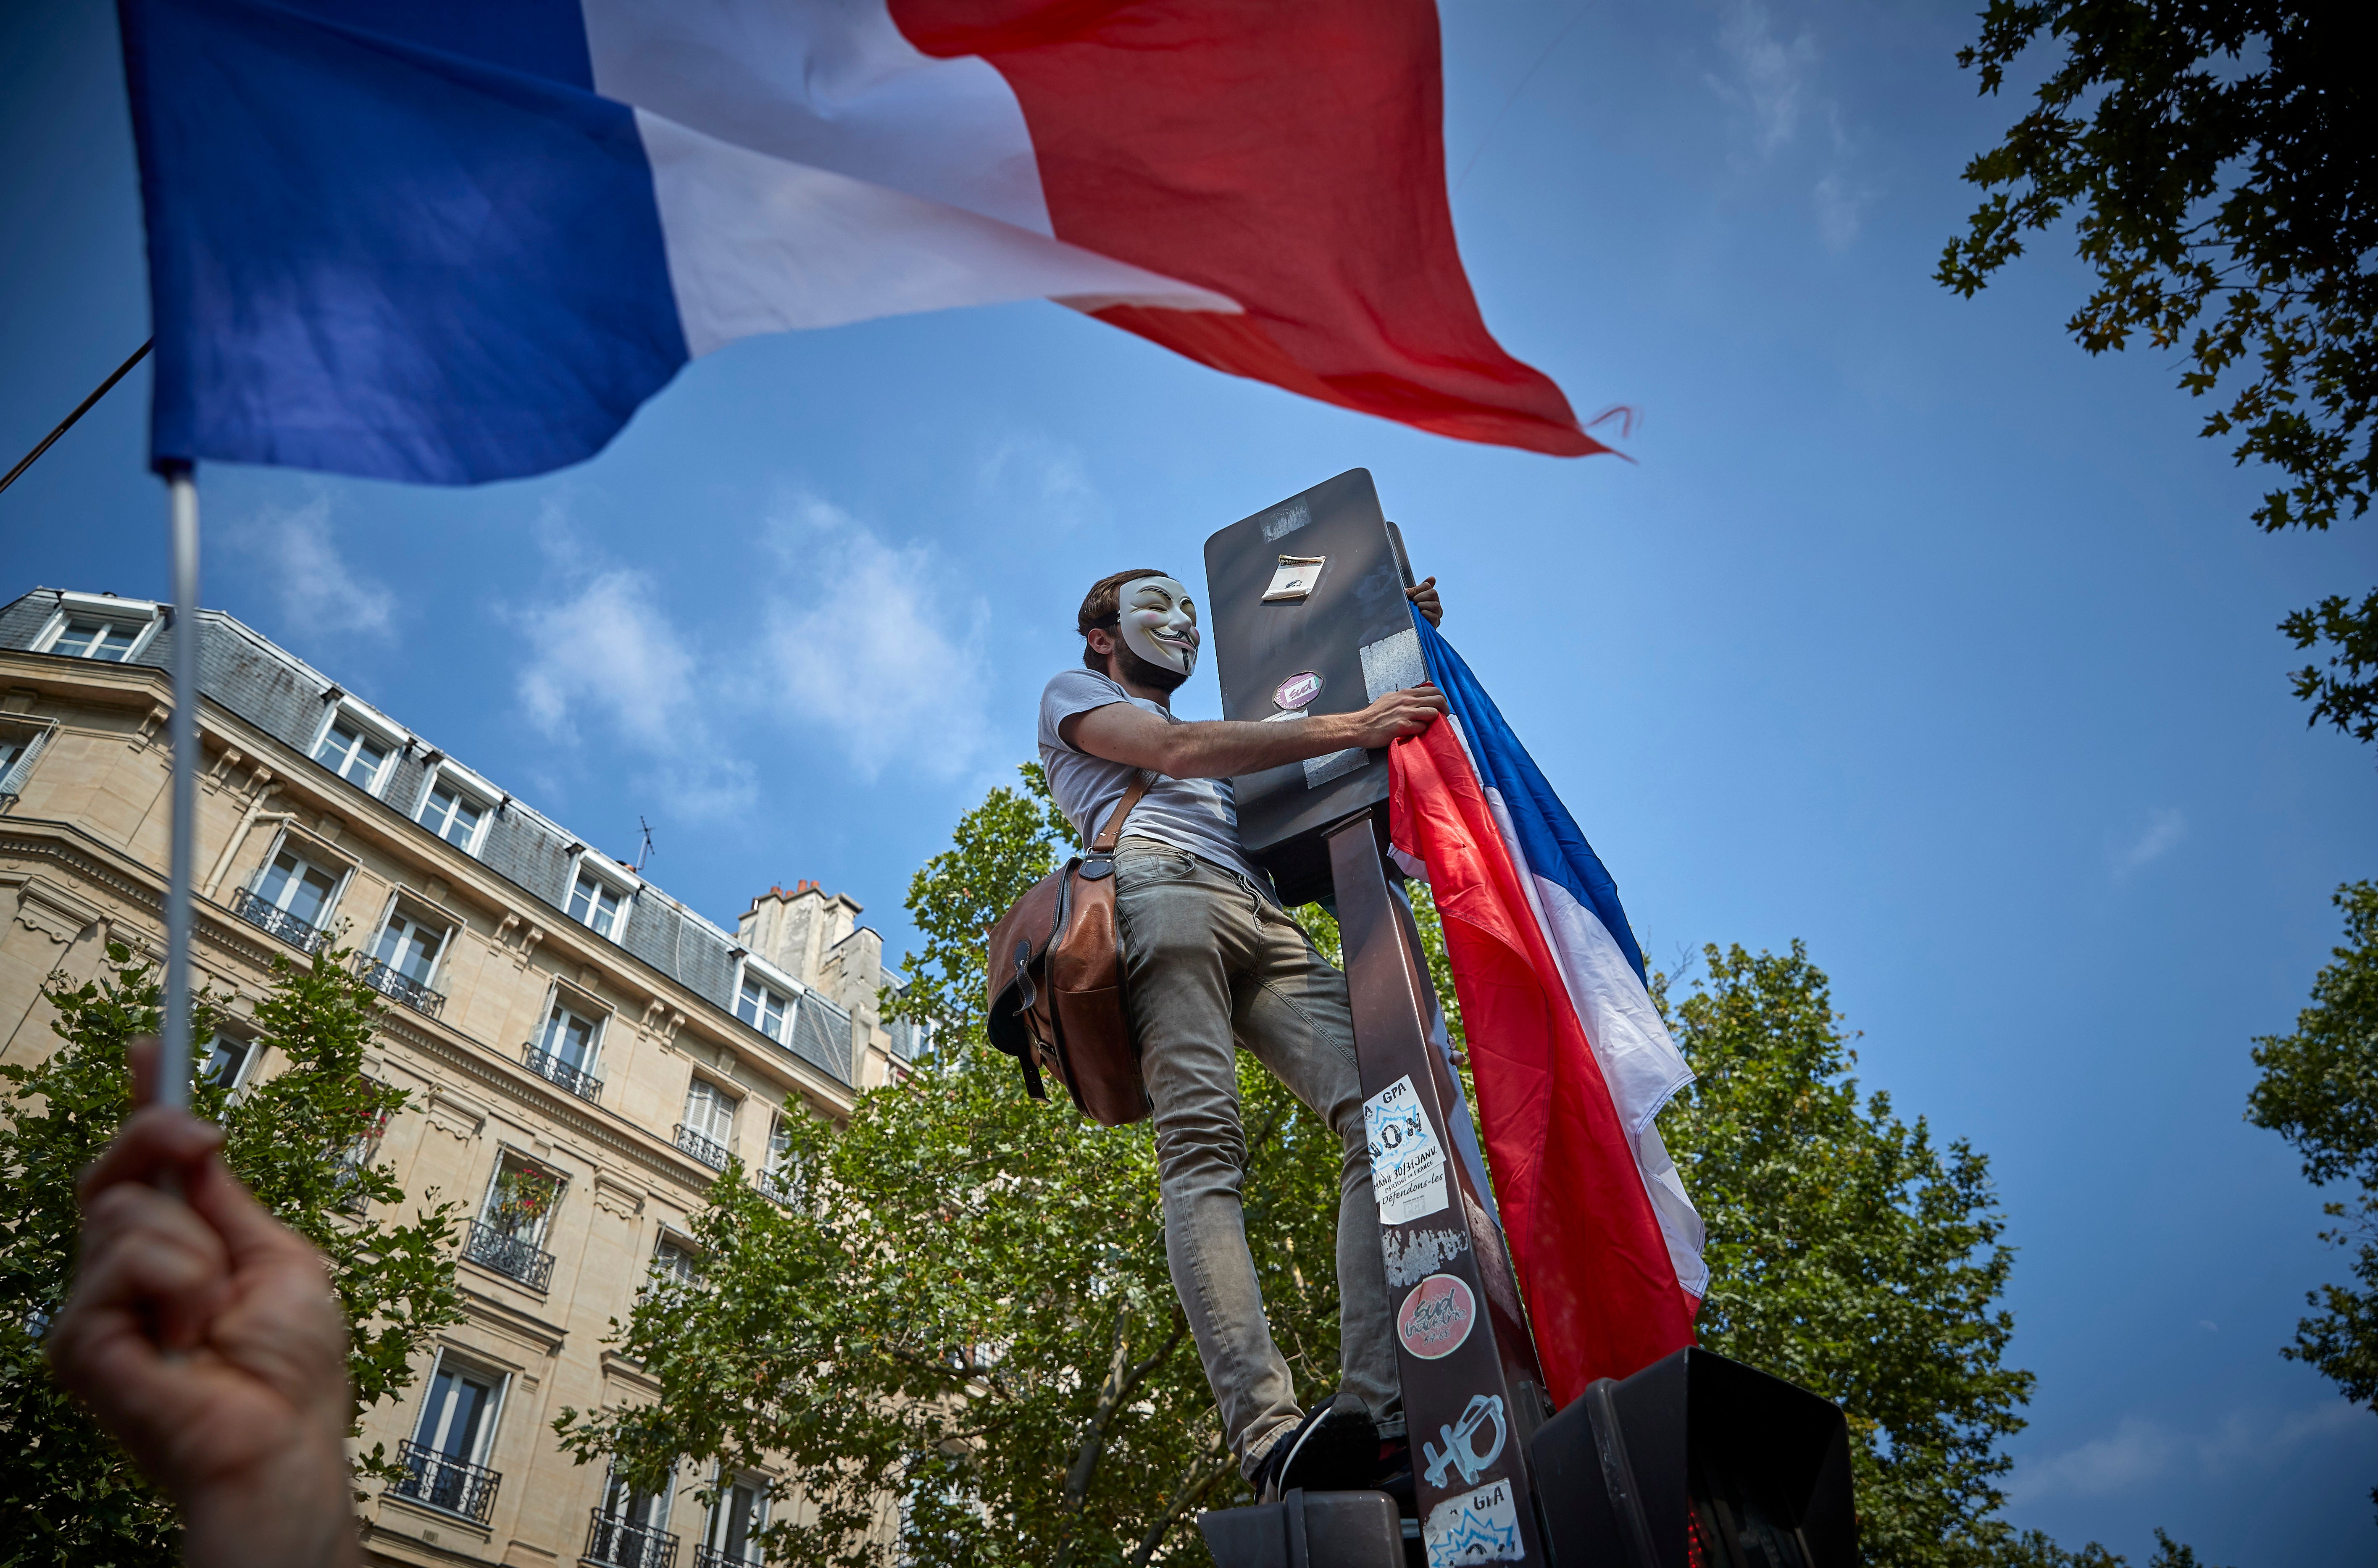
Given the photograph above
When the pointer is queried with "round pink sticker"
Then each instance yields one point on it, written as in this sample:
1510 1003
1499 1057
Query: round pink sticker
1297 690
1437 1317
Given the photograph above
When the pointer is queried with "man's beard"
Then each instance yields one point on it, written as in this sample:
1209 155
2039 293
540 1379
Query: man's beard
1147 672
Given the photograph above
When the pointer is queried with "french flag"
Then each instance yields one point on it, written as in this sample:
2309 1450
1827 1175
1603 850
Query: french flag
1570 1056
456 240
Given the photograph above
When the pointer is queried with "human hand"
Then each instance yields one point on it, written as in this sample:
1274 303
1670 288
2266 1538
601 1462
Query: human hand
1397 714
1423 594
203 1335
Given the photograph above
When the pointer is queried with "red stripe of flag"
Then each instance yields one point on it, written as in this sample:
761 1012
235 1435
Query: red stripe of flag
1289 156
1599 1286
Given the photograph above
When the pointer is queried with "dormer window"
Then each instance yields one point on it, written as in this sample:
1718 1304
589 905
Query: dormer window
763 1008
92 626
353 752
595 905
96 639
452 812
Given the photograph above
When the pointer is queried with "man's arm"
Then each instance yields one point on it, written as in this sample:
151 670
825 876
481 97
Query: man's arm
1219 748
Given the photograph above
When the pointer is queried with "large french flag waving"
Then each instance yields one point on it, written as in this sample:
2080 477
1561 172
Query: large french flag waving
454 241
1570 1058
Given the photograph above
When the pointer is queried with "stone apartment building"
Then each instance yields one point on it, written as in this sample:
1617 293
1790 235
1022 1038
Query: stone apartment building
565 1028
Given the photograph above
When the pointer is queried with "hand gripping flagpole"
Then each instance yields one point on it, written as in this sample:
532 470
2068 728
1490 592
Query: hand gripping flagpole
174 1068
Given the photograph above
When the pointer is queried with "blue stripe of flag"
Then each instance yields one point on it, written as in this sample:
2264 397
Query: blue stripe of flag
1549 837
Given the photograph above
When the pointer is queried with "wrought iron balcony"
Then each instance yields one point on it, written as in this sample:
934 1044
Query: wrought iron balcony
264 916
711 1154
490 1248
614 1542
718 1557
777 1185
435 1480
545 1064
388 982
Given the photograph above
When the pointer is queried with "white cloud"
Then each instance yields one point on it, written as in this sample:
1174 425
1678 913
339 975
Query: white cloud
606 661
2141 1451
1769 76
320 595
876 648
2165 828
1841 210
1044 483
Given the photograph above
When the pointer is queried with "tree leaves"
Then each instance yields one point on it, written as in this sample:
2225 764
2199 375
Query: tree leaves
2213 156
299 1137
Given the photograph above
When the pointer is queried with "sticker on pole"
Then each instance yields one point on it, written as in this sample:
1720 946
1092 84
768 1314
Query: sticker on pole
1407 1162
1474 1526
1435 1318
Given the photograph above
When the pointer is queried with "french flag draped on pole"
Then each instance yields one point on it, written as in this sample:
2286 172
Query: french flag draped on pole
454 241
1570 1056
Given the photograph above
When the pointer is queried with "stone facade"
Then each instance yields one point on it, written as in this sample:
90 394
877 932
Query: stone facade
549 1011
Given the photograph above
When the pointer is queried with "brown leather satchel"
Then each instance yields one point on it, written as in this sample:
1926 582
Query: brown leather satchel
1056 983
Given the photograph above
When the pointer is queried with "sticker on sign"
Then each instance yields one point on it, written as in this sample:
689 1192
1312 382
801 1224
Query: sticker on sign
1474 1526
1407 1161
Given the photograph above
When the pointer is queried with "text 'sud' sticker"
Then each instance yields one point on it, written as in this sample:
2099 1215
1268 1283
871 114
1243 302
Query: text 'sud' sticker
1435 1318
1407 1162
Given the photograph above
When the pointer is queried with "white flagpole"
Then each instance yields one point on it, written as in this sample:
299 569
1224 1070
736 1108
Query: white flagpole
173 1070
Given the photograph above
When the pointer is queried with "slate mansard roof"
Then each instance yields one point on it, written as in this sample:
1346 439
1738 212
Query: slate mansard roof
279 692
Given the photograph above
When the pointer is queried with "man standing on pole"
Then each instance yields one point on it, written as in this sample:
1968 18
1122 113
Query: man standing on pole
1211 961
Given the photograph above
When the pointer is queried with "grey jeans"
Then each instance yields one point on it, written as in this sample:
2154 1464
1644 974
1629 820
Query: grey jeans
1211 963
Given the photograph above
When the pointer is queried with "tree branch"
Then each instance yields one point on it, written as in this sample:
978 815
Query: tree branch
1203 1472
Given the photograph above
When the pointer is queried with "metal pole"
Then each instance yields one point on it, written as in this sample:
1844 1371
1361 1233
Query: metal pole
80 409
173 1070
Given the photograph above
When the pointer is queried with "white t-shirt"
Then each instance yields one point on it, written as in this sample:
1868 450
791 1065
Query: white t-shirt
1198 815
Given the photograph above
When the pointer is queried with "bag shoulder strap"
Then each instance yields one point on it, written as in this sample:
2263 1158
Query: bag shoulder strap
1110 834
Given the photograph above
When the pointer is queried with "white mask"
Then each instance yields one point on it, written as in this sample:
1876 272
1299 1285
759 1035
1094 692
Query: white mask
1159 622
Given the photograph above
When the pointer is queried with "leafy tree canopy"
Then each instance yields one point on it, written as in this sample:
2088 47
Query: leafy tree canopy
299 1137
2216 158
2319 1091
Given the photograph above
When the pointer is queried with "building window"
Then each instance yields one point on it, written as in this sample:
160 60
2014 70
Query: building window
777 1176
226 1061
630 1529
404 959
292 899
763 1008
509 1235
355 753
708 1130
18 749
565 1051
91 638
595 905
453 814
445 1458
735 1519
676 1259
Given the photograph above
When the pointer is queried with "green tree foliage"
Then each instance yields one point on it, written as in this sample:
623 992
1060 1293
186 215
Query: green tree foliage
2216 160
2319 1091
295 1136
961 1300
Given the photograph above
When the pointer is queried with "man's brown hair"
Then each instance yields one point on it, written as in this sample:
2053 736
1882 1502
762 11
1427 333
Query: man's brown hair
1101 608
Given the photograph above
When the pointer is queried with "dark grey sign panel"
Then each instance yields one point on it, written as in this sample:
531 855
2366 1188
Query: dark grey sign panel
1307 603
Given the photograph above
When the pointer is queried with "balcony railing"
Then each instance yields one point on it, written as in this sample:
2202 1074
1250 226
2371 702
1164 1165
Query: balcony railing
265 917
511 1256
718 1557
613 1541
545 1064
777 1185
438 1481
401 988
714 1156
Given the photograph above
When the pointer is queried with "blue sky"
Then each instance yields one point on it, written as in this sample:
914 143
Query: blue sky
1911 632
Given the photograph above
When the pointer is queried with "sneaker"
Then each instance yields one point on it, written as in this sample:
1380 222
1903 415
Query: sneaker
1335 1448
